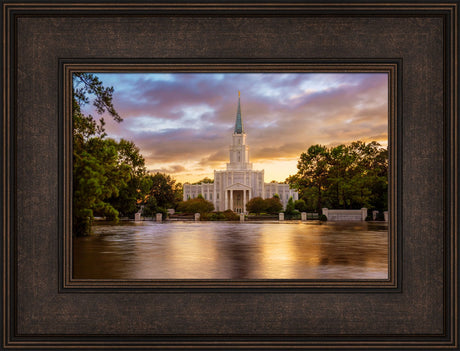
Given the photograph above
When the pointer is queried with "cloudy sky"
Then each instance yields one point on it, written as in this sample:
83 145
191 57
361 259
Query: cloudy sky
183 122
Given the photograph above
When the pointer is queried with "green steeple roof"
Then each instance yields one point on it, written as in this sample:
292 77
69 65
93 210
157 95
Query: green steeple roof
239 122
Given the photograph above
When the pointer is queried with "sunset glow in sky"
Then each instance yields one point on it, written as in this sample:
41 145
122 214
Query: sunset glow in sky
183 122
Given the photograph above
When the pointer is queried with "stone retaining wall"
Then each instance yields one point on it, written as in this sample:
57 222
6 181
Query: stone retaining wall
345 215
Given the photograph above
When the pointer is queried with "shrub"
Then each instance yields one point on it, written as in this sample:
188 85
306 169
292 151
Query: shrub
150 207
227 215
290 206
198 205
256 205
230 215
212 216
300 205
274 205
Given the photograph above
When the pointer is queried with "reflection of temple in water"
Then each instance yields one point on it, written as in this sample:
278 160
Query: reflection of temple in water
235 186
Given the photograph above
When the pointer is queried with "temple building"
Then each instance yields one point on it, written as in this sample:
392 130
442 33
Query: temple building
235 186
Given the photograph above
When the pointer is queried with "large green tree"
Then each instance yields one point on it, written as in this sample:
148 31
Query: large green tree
130 195
311 178
107 175
164 189
96 176
344 176
371 176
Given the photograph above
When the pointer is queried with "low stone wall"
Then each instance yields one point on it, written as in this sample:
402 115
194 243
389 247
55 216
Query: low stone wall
263 218
181 217
345 215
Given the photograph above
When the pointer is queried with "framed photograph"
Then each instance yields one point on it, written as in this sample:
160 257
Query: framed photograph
235 225
230 176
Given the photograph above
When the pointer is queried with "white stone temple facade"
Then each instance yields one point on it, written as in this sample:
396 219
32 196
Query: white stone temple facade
235 186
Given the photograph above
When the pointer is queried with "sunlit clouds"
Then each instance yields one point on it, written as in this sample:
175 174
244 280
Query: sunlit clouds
183 122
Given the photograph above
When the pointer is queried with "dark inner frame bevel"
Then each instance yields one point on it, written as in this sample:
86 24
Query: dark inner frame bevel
391 67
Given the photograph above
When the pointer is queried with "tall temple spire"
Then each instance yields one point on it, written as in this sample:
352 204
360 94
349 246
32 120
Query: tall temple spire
239 122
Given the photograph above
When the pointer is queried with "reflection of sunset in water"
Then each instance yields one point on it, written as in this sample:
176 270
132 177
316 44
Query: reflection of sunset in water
226 250
281 255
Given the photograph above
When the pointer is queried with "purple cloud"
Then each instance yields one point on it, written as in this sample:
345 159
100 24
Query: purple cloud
187 119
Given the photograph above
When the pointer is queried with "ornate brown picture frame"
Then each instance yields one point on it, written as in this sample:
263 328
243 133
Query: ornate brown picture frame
43 307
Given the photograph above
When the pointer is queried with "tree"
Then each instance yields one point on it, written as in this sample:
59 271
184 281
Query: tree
205 180
197 205
165 190
131 195
300 205
312 173
96 173
95 178
150 207
371 180
256 205
178 193
290 209
341 171
273 205
85 126
345 176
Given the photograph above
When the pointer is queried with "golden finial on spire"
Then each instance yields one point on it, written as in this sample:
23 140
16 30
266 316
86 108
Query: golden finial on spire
238 93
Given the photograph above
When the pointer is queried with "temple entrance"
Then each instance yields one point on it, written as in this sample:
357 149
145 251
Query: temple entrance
236 197
238 205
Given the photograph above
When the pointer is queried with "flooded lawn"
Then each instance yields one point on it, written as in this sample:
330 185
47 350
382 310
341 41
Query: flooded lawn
233 250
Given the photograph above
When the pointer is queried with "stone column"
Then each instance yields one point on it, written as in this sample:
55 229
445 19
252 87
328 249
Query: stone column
244 201
214 192
374 215
241 217
231 198
363 213
303 216
262 183
197 216
281 216
159 217
226 200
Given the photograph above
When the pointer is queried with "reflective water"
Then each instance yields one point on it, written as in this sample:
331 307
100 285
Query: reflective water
229 250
